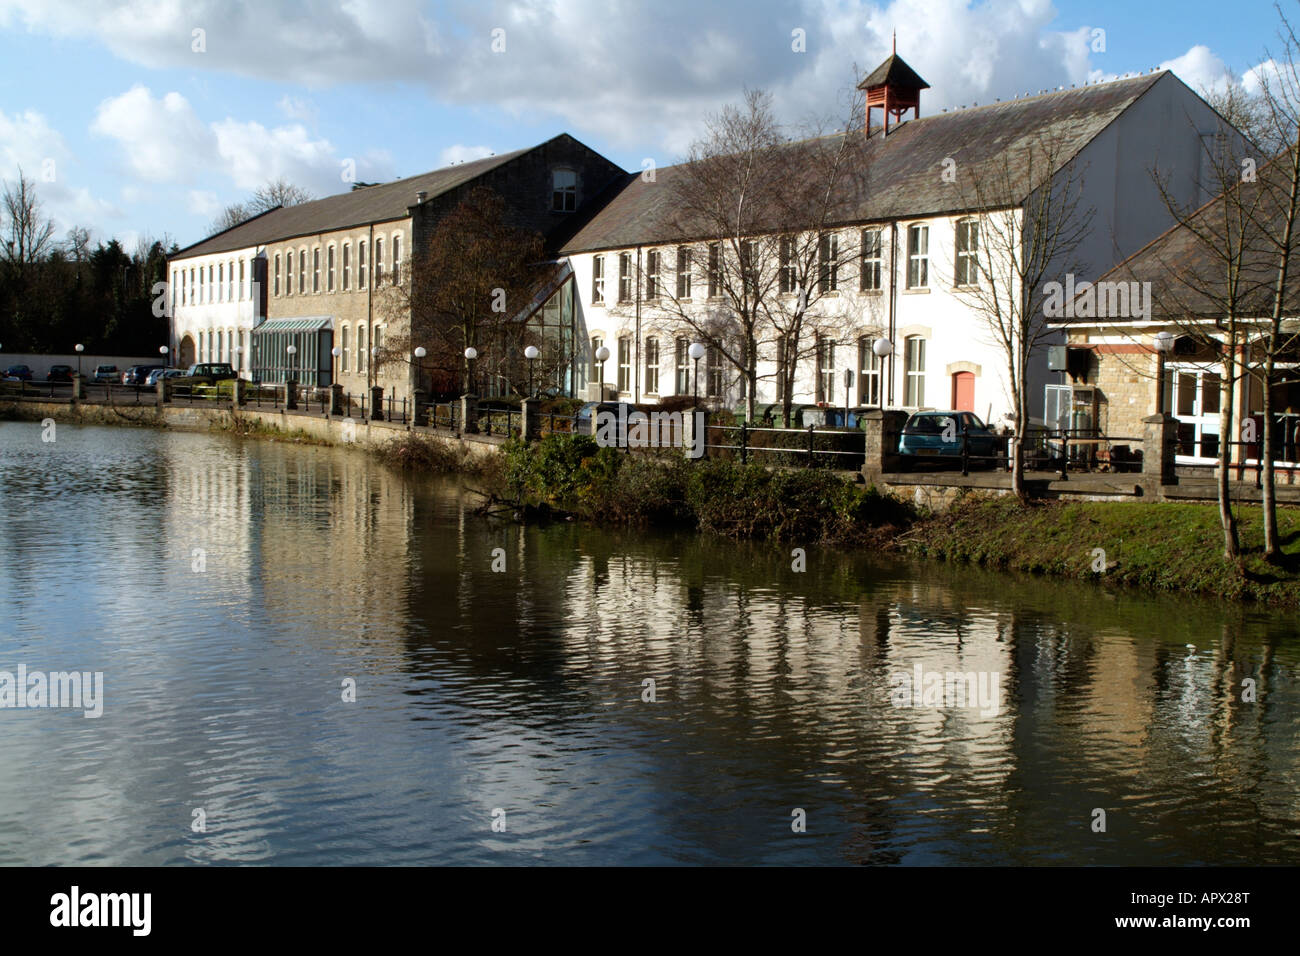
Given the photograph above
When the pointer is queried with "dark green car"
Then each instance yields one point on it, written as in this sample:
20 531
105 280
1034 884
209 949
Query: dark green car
208 373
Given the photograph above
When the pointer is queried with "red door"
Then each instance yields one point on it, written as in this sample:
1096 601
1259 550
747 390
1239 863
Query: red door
963 392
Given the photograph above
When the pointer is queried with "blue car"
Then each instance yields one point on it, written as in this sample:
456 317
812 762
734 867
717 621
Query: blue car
937 436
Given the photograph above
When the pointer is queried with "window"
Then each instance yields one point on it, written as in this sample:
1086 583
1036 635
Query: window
230 283
343 349
315 270
713 372
828 263
221 282
212 287
329 267
683 272
243 286
361 348
378 336
624 277
302 271
288 273
597 366
361 264
868 372
914 363
683 367
193 286
221 345
275 281
715 269
347 266
749 268
564 190
397 260
652 366
968 241
379 262
918 261
624 364
788 270
652 274
598 281
871 259
825 369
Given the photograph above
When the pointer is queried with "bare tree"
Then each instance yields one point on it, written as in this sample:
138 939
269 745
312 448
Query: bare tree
758 214
277 192
26 234
470 286
1029 234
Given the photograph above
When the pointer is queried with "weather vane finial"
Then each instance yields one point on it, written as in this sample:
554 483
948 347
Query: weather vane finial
895 41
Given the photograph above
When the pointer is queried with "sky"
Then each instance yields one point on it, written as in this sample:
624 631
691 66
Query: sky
142 119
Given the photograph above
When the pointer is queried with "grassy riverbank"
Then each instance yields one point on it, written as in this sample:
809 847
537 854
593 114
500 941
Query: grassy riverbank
1155 546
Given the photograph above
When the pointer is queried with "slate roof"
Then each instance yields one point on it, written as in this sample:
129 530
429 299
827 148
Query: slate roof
900 174
1189 275
380 203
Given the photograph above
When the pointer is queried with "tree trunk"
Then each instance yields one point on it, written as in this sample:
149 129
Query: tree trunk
1272 550
1227 391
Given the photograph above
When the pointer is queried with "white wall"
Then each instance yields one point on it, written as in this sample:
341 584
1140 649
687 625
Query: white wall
203 308
40 364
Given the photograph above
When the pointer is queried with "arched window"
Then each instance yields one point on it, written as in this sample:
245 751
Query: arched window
343 344
914 365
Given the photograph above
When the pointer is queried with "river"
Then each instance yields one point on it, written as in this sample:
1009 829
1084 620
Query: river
310 659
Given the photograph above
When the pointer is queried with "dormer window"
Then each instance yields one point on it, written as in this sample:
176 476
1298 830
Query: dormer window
564 190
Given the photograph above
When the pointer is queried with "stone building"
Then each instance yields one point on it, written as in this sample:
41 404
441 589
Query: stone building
327 276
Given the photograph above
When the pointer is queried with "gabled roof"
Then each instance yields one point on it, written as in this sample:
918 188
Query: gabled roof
895 73
900 174
381 203
1189 277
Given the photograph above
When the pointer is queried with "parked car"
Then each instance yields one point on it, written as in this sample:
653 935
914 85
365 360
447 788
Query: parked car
151 380
104 374
59 373
937 435
209 373
18 373
138 374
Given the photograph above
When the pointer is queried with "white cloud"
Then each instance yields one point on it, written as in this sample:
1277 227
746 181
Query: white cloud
298 109
203 202
27 141
463 154
1201 69
161 139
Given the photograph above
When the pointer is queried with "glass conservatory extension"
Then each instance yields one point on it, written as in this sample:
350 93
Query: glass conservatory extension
311 362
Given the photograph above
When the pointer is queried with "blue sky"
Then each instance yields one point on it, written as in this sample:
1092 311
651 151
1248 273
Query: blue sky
133 127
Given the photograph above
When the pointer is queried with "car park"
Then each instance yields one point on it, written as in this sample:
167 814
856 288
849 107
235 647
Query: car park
151 381
59 373
104 374
18 373
941 436
138 374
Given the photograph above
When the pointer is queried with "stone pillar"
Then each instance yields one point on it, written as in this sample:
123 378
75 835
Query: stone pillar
530 419
1159 432
291 395
236 392
336 400
78 388
881 429
469 414
376 403
164 392
695 429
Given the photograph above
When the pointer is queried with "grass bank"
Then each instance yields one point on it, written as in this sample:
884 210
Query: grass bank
246 427
1155 546
571 474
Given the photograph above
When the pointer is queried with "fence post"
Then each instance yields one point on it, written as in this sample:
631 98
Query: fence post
376 403
1158 448
469 414
965 453
529 419
236 393
744 443
291 395
78 388
695 432
810 446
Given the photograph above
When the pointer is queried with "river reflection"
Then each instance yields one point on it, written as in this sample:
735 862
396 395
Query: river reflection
229 589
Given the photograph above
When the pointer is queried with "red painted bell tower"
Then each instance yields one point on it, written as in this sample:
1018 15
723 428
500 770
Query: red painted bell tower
895 88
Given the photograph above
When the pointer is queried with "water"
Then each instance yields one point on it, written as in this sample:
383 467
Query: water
522 691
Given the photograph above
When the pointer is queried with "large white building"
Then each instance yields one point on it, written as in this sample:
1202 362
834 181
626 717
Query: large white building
912 226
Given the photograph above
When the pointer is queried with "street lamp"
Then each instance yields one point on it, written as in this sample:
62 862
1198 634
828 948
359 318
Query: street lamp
239 359
79 348
882 348
471 354
1164 342
602 354
531 354
696 352
291 351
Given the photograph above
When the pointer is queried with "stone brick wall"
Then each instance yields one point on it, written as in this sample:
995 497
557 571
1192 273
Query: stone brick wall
1126 388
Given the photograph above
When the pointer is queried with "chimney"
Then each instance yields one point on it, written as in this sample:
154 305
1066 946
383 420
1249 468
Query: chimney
421 196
